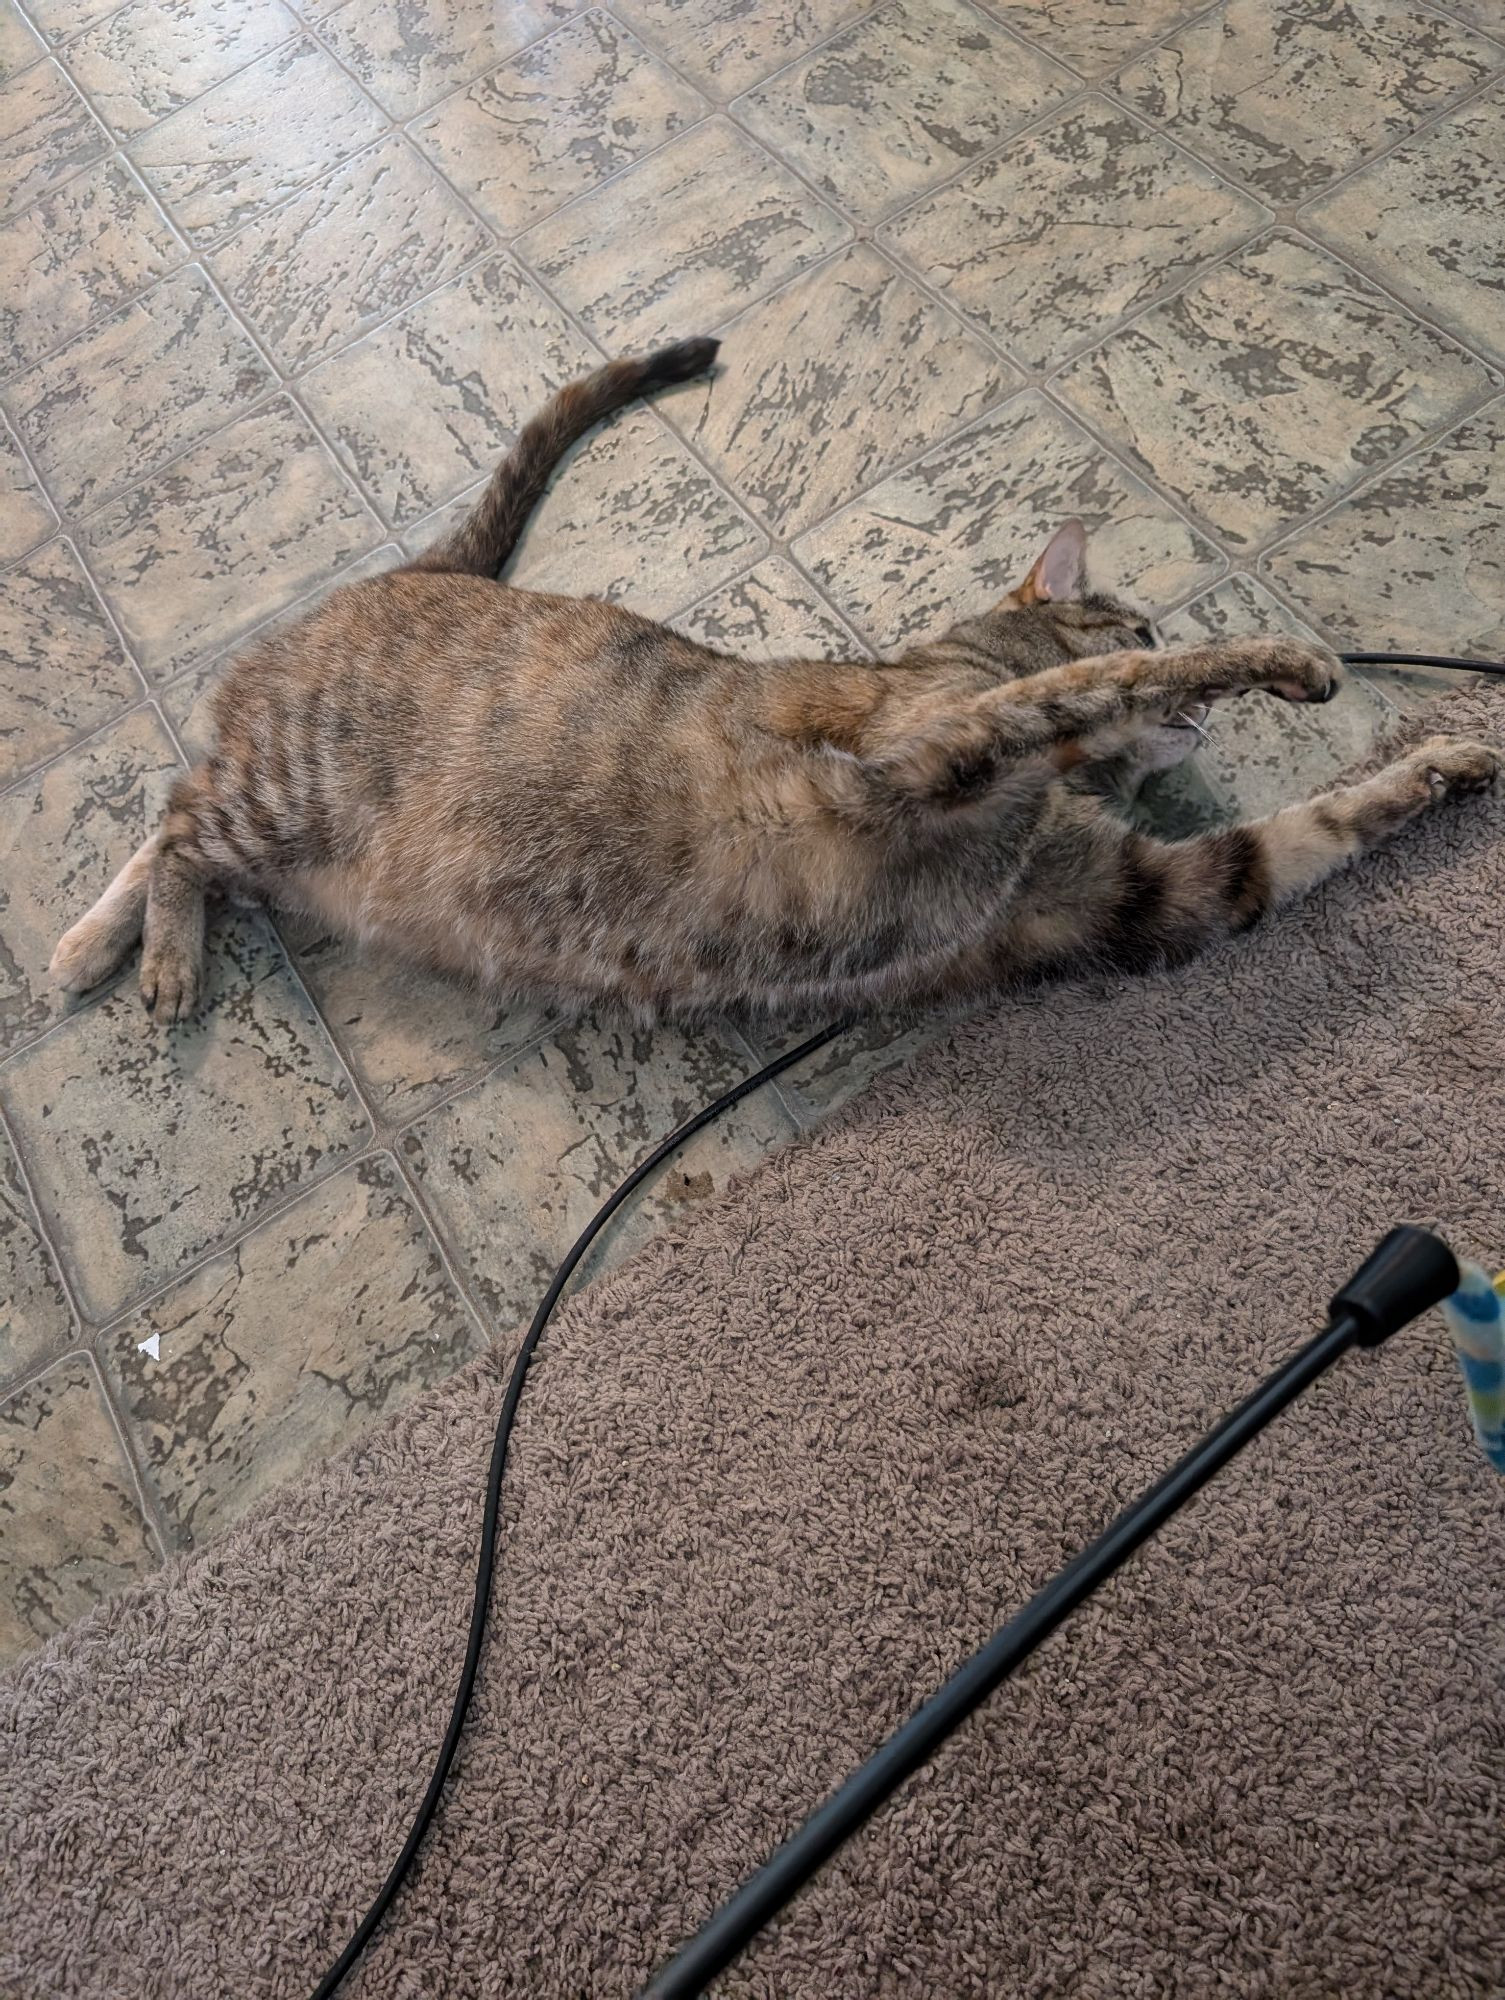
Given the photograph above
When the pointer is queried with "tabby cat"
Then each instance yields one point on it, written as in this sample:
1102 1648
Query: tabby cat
554 796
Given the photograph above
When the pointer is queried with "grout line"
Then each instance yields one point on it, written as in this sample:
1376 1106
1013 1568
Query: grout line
147 1497
1422 129
24 780
711 92
44 1233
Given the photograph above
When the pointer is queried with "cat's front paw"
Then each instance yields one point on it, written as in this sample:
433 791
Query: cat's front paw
1289 668
1455 765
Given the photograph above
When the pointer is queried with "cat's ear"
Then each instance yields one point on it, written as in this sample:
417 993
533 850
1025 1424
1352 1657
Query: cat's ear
1060 568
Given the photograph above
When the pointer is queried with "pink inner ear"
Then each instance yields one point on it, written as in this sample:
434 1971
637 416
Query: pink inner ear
1062 569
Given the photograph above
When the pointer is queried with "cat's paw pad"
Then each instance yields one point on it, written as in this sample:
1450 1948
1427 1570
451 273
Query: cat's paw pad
170 985
1455 765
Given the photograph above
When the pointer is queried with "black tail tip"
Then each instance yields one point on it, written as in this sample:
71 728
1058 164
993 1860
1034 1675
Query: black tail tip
686 358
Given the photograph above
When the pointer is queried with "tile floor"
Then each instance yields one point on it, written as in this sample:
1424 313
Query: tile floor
277 285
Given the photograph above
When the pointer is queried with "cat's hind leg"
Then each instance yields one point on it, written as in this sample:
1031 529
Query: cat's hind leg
90 951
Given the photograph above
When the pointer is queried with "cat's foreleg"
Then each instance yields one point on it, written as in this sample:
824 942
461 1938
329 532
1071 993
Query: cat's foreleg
1102 894
954 751
172 953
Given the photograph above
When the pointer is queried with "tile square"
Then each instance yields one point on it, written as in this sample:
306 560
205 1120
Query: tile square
377 233
285 1348
255 139
429 402
246 522
148 1148
1093 36
772 613
71 1529
62 668
1414 557
547 126
1426 222
132 392
1287 98
409 52
901 99
1263 754
631 517
1268 385
26 517
47 133
728 224
1051 242
824 387
410 1035
726 45
34 1317
957 530
63 839
59 19
517 1166
20 44
154 56
75 256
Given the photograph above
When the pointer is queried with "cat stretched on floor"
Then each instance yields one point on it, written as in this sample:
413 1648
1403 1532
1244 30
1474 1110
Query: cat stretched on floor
555 797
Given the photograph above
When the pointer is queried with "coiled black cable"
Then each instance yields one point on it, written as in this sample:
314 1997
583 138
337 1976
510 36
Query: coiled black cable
486 1559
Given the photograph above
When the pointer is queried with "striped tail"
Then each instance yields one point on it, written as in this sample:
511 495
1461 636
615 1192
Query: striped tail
488 535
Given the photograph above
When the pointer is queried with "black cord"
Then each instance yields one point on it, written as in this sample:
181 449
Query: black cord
1423 660
487 1559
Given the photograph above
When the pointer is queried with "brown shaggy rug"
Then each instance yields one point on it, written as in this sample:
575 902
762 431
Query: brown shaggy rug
775 1477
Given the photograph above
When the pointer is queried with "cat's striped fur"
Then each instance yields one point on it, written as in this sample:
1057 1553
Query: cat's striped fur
555 796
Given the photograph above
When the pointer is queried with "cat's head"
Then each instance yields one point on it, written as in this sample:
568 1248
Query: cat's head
1056 609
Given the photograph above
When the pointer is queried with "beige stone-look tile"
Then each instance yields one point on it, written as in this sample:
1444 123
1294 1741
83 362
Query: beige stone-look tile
954 532
1426 221
59 19
901 99
64 836
75 256
432 399
516 1167
1263 754
34 1317
352 249
246 522
1093 36
148 1147
26 518
1065 232
631 517
71 1529
409 52
547 126
283 1349
822 388
47 133
132 392
770 614
681 240
62 668
1287 98
726 45
411 1036
1414 557
255 139
154 56
20 44
1268 385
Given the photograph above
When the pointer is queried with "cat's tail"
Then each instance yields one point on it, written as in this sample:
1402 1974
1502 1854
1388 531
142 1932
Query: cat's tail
487 536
